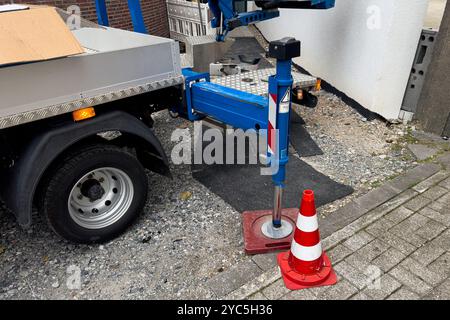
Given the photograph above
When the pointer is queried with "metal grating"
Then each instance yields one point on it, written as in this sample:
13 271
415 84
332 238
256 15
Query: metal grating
256 82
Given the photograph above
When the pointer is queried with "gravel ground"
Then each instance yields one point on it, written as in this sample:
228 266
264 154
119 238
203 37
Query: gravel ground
186 234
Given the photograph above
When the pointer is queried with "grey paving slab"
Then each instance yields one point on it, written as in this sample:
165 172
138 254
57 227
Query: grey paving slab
358 261
417 220
254 285
423 272
435 192
341 291
340 218
373 249
257 296
442 292
422 152
428 253
431 230
440 206
431 181
343 233
338 253
445 184
398 243
407 229
436 213
389 259
441 264
445 199
233 278
300 295
377 197
395 202
380 227
276 290
417 203
265 261
443 240
359 240
404 294
414 176
356 277
410 280
445 160
399 214
413 238
382 287
361 296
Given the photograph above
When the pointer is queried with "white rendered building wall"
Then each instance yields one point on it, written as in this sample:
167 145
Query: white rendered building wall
364 48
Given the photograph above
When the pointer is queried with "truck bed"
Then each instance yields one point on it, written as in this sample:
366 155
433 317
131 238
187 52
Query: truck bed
117 64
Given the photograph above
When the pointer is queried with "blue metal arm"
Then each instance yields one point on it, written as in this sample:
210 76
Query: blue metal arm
135 13
248 111
102 13
226 18
136 16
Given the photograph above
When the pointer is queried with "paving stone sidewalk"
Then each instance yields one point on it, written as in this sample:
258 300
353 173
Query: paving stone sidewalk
392 243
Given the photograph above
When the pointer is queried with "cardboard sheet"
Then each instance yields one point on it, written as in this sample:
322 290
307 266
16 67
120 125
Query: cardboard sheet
34 34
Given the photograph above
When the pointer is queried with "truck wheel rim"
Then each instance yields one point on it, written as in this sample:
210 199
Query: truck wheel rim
100 198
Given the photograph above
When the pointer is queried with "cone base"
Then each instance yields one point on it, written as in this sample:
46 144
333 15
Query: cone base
297 281
255 242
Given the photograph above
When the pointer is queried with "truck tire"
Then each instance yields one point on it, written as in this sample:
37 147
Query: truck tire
94 193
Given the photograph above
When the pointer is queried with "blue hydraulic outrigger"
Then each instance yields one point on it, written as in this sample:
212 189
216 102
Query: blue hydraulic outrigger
248 111
204 99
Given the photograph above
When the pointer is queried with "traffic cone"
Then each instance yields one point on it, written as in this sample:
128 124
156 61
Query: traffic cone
306 265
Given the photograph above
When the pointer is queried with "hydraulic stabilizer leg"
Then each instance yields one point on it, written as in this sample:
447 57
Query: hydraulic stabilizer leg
280 87
272 230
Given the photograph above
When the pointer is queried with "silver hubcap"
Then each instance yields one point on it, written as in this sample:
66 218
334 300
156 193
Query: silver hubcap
100 198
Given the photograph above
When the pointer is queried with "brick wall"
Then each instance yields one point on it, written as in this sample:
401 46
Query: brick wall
154 12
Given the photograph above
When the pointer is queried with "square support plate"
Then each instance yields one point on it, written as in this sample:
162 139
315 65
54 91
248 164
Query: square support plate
254 240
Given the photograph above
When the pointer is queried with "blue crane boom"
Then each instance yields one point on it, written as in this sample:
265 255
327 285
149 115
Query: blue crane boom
227 18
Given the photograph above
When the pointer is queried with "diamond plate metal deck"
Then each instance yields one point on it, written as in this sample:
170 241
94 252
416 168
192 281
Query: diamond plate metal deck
256 82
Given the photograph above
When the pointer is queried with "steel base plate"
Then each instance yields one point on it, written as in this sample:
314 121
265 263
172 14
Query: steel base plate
277 233
255 242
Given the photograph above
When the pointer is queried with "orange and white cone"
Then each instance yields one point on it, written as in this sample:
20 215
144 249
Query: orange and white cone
306 265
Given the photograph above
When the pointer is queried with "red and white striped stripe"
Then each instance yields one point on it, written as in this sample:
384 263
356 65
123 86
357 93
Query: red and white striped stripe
272 125
306 250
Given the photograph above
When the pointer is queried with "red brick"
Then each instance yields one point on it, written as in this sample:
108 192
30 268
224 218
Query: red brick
154 12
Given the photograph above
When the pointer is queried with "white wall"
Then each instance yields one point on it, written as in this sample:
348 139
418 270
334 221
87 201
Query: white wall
346 46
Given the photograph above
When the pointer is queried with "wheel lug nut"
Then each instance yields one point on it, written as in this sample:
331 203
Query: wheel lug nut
101 180
80 196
